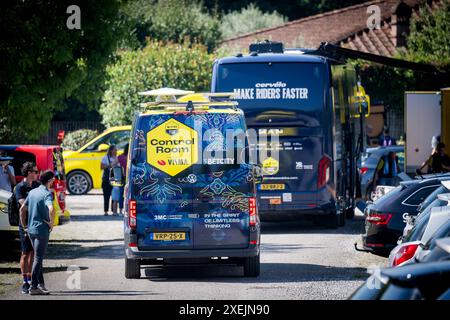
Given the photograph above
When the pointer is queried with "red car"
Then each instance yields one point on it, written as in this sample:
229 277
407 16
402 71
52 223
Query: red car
46 158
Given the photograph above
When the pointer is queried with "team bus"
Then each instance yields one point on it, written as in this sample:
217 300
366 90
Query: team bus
312 104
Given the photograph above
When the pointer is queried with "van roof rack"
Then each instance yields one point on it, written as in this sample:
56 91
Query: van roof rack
189 100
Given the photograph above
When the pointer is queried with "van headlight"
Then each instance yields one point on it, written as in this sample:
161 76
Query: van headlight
4 207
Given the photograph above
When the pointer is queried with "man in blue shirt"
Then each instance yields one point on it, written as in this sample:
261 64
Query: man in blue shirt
41 215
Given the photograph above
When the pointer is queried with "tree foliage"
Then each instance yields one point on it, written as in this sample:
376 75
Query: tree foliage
428 42
173 21
247 20
429 39
76 139
42 62
185 66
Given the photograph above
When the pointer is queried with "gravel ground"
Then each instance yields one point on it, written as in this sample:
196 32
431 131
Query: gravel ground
298 261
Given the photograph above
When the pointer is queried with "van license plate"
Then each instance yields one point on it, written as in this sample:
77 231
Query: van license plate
272 186
168 236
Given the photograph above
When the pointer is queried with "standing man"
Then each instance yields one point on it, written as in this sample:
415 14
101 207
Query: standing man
7 178
117 192
385 139
109 161
41 215
387 170
30 172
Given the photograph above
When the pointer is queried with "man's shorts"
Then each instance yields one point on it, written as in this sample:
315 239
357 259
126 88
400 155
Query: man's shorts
25 241
117 193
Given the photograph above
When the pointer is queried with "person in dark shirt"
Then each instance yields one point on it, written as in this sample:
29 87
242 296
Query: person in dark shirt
30 172
440 161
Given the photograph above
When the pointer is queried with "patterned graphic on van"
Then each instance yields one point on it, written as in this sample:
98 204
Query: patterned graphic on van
222 185
160 187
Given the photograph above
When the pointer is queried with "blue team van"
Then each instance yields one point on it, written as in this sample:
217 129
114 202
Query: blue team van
190 191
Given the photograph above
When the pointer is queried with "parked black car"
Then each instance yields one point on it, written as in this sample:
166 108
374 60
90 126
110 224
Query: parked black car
385 218
422 281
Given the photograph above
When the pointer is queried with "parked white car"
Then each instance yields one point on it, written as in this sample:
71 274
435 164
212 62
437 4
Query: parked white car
5 227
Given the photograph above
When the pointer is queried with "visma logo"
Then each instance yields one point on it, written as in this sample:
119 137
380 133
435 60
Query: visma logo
161 162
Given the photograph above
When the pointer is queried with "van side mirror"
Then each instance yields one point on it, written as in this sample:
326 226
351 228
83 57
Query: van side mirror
257 173
102 147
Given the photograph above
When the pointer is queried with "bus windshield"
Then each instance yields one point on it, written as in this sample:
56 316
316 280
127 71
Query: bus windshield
272 93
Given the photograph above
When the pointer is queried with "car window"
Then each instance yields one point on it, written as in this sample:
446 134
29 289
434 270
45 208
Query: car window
20 157
432 196
418 230
442 232
419 196
118 138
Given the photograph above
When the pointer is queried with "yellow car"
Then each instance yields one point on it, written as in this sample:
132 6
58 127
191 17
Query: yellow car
83 166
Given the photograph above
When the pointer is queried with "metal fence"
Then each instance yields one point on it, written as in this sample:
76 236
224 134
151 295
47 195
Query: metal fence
395 120
68 126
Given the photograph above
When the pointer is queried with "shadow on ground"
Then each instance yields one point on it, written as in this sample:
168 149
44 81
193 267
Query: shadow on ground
270 273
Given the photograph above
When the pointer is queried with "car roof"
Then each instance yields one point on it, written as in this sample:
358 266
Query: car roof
11 147
212 110
384 149
273 57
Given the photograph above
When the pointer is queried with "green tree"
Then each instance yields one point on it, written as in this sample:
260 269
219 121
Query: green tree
185 66
247 20
173 21
429 39
42 62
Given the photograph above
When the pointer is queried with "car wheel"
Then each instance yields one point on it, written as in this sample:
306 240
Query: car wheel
78 183
252 266
350 213
132 269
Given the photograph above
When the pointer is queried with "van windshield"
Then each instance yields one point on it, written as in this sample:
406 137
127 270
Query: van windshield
276 92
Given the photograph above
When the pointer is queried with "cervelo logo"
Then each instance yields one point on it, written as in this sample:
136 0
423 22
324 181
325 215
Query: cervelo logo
277 84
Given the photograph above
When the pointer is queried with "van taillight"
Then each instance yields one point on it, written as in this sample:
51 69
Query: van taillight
323 171
252 210
132 213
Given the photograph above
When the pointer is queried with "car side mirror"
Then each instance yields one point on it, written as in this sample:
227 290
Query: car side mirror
102 147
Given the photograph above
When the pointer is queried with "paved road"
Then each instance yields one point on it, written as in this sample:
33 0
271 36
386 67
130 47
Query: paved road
298 261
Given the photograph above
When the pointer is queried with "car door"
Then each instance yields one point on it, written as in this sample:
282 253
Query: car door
161 178
222 188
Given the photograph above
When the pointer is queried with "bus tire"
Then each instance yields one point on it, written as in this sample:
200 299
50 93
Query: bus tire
333 220
342 219
132 269
252 266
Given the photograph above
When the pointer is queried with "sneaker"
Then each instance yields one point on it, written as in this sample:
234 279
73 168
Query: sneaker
106 213
43 289
25 288
115 214
36 292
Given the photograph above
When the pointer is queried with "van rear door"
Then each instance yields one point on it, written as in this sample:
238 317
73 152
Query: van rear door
223 185
161 183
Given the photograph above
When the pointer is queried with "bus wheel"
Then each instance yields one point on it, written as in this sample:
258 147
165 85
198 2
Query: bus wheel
342 219
132 269
333 220
251 266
